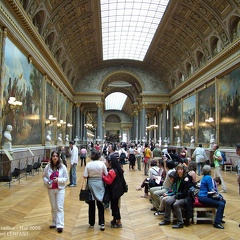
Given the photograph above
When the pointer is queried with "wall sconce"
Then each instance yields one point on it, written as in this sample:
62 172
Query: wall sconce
61 124
90 126
210 121
69 125
50 120
13 105
151 127
189 125
176 127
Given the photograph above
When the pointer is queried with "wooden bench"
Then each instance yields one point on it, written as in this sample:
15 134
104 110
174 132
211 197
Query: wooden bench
199 207
228 166
208 212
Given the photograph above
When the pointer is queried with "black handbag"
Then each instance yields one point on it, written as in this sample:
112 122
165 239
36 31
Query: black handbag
85 194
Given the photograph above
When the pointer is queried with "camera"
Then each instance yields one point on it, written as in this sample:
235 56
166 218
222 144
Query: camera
50 182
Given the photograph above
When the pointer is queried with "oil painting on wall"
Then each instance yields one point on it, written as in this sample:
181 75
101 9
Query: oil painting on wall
206 110
112 136
61 111
189 111
22 80
177 119
68 118
229 108
51 102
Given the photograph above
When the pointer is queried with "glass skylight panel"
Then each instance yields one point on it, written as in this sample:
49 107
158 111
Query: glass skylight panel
115 101
129 23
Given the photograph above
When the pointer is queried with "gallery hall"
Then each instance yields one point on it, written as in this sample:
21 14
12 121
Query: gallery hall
161 73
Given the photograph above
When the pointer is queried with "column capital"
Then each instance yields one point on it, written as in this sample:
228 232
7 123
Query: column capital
135 112
78 104
99 104
142 105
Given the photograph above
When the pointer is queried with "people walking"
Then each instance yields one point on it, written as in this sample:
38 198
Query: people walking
93 173
201 157
217 158
73 164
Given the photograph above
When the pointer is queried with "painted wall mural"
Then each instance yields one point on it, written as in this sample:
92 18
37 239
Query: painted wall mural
177 119
51 102
206 110
229 108
189 111
22 80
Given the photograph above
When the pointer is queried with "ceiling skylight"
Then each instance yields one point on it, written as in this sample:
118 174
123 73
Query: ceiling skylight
115 101
128 27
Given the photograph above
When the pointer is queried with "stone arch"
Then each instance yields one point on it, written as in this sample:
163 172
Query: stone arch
200 58
58 54
50 39
234 27
121 115
189 68
215 45
113 117
39 20
64 65
126 76
126 91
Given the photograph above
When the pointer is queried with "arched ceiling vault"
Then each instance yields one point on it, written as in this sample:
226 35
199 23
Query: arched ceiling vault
186 28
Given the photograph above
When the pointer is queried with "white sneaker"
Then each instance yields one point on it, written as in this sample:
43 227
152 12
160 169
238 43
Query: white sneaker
102 227
223 191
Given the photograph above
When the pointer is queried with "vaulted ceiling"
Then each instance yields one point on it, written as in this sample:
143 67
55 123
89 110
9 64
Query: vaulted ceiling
190 34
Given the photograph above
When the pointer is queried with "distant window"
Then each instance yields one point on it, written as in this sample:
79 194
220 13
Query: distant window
128 27
115 101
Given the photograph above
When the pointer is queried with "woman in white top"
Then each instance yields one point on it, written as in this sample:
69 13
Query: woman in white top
154 173
55 177
131 157
93 173
201 157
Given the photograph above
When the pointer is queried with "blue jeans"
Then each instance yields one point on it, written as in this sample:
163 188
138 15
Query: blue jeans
73 174
199 167
218 204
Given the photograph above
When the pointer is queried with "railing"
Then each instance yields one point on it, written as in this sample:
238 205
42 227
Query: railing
14 170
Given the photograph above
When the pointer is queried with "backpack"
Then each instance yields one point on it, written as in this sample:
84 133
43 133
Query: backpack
122 155
224 159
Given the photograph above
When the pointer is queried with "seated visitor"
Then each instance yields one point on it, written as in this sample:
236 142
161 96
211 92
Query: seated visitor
157 192
177 201
209 196
154 173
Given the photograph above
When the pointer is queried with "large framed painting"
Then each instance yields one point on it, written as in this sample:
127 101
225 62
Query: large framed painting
112 136
61 114
51 103
188 118
206 111
176 120
69 118
229 108
22 80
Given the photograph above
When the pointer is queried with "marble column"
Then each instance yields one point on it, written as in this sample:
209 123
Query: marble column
84 117
99 121
143 122
164 123
77 133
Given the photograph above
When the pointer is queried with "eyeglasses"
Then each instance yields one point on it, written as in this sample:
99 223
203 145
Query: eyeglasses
54 155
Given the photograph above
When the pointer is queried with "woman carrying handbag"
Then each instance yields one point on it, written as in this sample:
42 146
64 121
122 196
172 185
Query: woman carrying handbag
93 173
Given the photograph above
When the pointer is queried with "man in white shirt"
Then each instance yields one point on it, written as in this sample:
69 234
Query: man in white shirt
73 164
